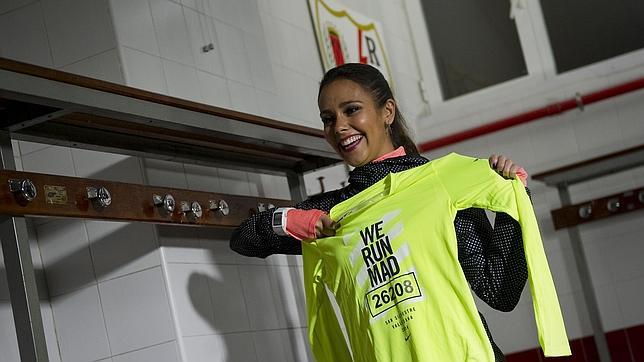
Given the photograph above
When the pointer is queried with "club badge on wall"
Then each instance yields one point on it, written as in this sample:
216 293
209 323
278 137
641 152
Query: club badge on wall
345 36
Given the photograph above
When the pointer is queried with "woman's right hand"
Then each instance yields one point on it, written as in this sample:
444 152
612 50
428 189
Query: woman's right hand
324 227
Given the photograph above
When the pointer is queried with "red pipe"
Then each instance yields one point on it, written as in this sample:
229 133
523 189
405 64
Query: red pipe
530 116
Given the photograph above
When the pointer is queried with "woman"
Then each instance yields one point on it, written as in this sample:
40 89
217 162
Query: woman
363 124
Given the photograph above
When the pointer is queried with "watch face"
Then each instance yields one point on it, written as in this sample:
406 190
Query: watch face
277 218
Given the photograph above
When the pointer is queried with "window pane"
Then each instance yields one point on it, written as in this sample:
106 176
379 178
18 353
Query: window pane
583 32
475 44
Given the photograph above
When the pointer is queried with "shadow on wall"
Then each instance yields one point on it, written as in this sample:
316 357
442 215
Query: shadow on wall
272 309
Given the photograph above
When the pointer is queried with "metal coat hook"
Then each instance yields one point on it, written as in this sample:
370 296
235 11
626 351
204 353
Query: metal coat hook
321 180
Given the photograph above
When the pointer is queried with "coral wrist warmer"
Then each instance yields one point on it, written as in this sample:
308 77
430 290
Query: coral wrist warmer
301 223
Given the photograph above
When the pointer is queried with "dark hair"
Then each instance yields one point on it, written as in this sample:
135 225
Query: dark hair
375 83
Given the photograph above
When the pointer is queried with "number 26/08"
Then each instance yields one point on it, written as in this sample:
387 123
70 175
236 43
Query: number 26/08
393 292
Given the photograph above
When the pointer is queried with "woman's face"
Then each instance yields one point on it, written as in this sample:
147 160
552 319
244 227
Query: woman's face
353 125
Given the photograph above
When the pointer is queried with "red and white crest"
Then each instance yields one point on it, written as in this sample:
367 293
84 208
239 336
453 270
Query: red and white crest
345 36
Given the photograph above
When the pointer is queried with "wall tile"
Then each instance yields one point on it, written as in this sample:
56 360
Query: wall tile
51 338
295 13
287 36
515 144
296 346
106 166
229 300
629 111
121 248
193 307
624 253
271 36
268 103
288 287
220 348
143 71
216 246
273 186
599 265
167 352
609 309
310 55
202 178
554 141
134 26
10 5
8 341
260 66
80 326
394 18
172 32
260 295
23 35
78 29
631 298
137 311
201 29
181 81
181 244
575 315
214 90
233 182
165 173
4 287
104 66
226 11
269 345
249 16
26 147
64 248
233 52
595 128
563 269
242 97
54 160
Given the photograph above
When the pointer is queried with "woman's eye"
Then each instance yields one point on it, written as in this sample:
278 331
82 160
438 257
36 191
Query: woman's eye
327 120
352 109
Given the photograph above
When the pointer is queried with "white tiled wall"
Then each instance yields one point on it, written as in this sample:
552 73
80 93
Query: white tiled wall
130 292
77 29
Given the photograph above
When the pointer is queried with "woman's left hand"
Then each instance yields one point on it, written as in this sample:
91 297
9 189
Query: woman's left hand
507 168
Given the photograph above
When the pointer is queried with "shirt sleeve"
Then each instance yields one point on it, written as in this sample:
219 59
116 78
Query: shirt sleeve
471 183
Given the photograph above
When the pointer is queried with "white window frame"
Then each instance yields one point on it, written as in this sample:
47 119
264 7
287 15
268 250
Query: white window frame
541 86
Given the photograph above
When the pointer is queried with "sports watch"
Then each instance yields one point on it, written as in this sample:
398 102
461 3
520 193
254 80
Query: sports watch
278 220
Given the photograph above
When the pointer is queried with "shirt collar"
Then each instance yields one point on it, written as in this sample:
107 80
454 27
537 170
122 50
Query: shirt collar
400 151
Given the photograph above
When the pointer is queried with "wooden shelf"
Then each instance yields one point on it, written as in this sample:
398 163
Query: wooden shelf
49 106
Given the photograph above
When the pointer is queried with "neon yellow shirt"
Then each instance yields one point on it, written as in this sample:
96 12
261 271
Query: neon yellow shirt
393 269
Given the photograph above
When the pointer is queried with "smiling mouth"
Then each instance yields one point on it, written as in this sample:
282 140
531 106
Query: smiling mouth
350 143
